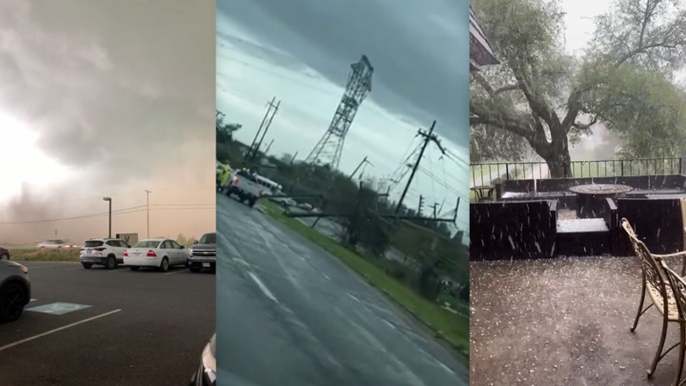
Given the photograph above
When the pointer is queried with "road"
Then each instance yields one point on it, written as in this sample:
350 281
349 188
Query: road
139 328
291 314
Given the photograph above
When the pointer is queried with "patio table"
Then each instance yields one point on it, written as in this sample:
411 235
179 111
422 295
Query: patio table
590 199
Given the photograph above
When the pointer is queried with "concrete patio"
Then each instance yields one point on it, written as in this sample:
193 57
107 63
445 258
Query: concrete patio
564 321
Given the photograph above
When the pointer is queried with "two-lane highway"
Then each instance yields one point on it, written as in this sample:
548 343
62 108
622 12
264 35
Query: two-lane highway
289 313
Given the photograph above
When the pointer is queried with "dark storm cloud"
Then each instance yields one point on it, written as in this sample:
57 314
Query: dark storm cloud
419 49
109 86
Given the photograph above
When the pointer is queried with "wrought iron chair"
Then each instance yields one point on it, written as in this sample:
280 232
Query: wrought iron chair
657 287
677 286
644 286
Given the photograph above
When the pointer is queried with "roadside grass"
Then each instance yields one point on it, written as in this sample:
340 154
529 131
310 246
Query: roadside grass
69 254
451 327
590 170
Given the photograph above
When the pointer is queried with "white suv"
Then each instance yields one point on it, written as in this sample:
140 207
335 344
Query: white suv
107 252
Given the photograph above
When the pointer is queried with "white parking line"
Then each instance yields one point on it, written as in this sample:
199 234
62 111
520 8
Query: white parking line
327 278
33 300
171 273
56 330
263 287
354 297
43 266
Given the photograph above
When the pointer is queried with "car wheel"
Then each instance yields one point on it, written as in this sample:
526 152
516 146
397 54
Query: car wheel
4 256
87 266
12 302
134 268
251 202
111 262
164 265
194 269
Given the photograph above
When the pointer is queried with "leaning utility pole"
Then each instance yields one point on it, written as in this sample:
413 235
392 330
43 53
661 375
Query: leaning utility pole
259 130
428 137
266 151
266 129
147 204
364 161
421 205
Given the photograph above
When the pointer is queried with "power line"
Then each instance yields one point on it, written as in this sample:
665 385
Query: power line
135 209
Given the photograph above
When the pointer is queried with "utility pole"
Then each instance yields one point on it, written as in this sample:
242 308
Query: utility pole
293 158
147 204
219 113
264 119
428 137
421 205
435 206
364 161
266 151
266 129
109 200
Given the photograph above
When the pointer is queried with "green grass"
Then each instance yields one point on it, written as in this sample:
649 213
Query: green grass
589 170
71 254
451 327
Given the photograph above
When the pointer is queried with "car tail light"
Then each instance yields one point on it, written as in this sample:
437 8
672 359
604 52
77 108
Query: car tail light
99 249
151 253
126 252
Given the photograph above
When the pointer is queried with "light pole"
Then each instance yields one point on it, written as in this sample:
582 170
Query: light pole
109 232
147 200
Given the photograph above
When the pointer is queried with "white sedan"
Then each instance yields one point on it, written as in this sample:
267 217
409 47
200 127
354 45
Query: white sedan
158 253
54 244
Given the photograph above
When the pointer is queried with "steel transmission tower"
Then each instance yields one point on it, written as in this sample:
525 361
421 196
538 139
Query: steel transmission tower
329 149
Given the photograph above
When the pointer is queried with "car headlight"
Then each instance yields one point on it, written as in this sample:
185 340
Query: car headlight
24 269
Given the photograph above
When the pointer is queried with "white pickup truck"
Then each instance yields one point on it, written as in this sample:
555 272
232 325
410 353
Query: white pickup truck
243 185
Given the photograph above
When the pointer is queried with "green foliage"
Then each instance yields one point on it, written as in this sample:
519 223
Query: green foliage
183 240
543 99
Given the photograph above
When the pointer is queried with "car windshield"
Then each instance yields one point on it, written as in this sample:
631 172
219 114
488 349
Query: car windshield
208 238
93 243
147 244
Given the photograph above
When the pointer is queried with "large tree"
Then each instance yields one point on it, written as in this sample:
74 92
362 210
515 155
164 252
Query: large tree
541 98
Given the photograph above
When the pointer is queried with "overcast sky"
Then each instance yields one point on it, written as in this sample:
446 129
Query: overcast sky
579 30
111 98
300 51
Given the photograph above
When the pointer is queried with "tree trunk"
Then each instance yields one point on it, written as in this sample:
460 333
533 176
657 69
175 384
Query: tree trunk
555 153
559 164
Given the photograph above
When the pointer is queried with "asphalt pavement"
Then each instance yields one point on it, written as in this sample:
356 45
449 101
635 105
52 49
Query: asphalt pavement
140 328
289 313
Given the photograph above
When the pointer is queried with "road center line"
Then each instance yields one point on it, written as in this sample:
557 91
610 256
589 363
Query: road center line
445 367
263 287
56 330
327 278
354 297
171 273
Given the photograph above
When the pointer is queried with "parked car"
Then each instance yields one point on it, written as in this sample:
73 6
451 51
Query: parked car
158 253
54 244
206 375
243 185
4 253
107 252
203 253
15 290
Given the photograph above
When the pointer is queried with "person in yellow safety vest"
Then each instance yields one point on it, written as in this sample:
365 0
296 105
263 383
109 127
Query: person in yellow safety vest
224 178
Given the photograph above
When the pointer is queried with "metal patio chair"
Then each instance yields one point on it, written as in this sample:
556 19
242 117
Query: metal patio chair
677 286
657 287
644 285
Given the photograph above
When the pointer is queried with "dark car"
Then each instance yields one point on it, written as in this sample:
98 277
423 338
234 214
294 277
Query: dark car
203 254
4 253
15 290
206 375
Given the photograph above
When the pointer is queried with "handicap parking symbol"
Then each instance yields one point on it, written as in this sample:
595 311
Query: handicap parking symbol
58 308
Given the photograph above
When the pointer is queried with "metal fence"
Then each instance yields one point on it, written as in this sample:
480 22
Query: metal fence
486 174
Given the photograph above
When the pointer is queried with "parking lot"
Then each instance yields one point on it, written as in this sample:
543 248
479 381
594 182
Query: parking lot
108 327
